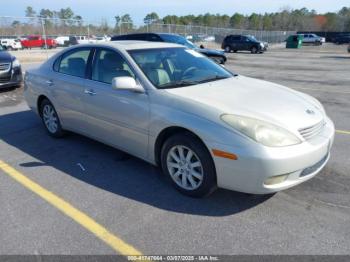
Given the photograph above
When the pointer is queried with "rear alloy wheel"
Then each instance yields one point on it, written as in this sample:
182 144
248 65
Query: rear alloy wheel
50 119
188 163
254 50
227 49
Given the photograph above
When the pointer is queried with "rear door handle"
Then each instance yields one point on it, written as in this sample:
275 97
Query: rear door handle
90 92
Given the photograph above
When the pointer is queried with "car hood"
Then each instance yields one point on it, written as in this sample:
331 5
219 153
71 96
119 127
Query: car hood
5 57
210 51
253 98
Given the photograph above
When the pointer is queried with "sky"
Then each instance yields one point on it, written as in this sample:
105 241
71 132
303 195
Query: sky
95 11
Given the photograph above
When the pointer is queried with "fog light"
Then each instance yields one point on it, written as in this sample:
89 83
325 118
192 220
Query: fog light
275 180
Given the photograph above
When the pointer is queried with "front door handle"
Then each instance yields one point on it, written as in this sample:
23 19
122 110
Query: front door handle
90 92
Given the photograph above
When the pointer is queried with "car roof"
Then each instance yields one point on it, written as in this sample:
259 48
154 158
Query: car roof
133 45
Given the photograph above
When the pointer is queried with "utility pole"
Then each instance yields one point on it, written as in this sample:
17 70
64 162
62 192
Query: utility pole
44 36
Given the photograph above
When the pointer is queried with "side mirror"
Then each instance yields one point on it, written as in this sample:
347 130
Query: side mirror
201 46
126 83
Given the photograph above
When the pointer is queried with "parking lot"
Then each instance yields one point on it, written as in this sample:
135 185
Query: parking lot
115 203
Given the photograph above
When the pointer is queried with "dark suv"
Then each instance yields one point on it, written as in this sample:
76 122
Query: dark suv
216 55
243 43
342 39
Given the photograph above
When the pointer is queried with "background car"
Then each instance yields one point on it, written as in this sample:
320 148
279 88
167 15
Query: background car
312 39
243 43
10 69
62 40
38 41
216 55
11 44
342 39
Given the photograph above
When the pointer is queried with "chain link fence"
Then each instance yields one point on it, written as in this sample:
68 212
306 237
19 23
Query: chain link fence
213 36
22 27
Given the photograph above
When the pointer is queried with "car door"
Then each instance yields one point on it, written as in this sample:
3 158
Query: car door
117 117
245 43
307 38
235 42
67 85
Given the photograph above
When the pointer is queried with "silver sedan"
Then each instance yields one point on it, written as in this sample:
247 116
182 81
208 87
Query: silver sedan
205 126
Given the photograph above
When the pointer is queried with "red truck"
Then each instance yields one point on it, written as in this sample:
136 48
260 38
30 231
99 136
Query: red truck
38 41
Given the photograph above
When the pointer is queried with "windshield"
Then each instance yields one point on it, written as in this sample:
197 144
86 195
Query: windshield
176 39
177 67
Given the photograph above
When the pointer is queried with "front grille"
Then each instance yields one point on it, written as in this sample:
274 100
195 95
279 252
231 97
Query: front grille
311 131
312 169
5 66
5 79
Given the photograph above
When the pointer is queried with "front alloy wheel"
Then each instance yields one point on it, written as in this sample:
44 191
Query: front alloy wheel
184 167
254 50
187 161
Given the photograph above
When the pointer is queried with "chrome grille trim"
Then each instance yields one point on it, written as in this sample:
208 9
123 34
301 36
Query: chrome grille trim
311 131
5 66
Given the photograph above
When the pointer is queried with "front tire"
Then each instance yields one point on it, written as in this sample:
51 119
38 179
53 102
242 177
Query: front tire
187 162
228 49
50 119
253 50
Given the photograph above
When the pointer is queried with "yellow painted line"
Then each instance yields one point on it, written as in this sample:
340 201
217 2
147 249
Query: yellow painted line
342 132
78 216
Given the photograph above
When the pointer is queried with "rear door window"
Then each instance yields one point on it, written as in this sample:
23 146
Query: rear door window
235 38
74 62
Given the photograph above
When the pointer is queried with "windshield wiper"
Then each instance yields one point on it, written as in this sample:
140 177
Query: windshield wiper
210 79
180 83
183 83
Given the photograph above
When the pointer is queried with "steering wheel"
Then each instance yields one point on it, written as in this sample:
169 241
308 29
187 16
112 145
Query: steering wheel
189 71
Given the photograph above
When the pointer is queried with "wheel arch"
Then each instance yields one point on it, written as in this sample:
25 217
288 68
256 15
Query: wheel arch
167 133
41 98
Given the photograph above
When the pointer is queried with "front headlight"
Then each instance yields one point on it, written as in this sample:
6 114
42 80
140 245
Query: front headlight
15 63
261 131
262 44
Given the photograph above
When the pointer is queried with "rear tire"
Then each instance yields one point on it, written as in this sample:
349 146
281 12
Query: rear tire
186 160
228 49
50 119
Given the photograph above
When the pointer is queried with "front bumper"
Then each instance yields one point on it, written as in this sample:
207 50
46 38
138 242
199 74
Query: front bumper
10 78
254 166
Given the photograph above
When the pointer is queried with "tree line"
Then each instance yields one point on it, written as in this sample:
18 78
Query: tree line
286 19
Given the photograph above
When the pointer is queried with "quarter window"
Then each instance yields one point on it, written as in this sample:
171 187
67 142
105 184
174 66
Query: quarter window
109 64
74 63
